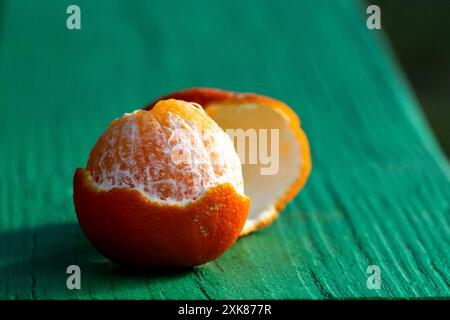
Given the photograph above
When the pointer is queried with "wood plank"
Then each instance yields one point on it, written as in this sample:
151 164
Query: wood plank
379 192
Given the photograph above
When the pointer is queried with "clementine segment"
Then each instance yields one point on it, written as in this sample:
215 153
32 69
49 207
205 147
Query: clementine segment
175 152
162 188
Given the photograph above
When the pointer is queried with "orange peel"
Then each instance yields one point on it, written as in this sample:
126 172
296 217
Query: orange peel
232 110
162 188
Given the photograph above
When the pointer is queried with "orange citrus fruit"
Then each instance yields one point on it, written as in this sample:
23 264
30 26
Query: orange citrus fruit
162 188
269 193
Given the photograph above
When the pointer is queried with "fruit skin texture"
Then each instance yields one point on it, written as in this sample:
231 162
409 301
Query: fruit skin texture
130 229
134 201
210 96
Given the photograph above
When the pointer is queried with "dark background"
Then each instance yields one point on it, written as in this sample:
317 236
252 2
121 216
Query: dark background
419 31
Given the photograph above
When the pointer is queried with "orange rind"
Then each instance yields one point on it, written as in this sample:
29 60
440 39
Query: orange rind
162 188
231 110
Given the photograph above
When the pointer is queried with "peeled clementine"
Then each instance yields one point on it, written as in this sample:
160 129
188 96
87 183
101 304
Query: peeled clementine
162 188
269 190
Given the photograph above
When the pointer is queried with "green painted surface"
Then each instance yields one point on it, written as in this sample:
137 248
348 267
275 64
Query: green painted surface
379 192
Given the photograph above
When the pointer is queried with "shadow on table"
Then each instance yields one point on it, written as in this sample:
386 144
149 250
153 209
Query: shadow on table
34 263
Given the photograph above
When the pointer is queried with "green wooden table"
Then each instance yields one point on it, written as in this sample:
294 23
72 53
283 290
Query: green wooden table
379 192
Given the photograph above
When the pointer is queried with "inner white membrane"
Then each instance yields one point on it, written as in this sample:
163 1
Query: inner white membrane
263 190
181 160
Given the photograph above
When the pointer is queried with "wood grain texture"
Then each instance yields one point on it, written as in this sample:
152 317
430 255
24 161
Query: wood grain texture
379 192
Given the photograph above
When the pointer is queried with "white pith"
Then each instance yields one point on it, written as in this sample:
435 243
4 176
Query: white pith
211 157
265 191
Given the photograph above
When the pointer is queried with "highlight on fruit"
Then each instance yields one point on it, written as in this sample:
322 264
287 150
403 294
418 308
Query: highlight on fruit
176 183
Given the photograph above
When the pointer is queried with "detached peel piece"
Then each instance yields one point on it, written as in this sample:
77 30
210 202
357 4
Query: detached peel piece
162 188
269 193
